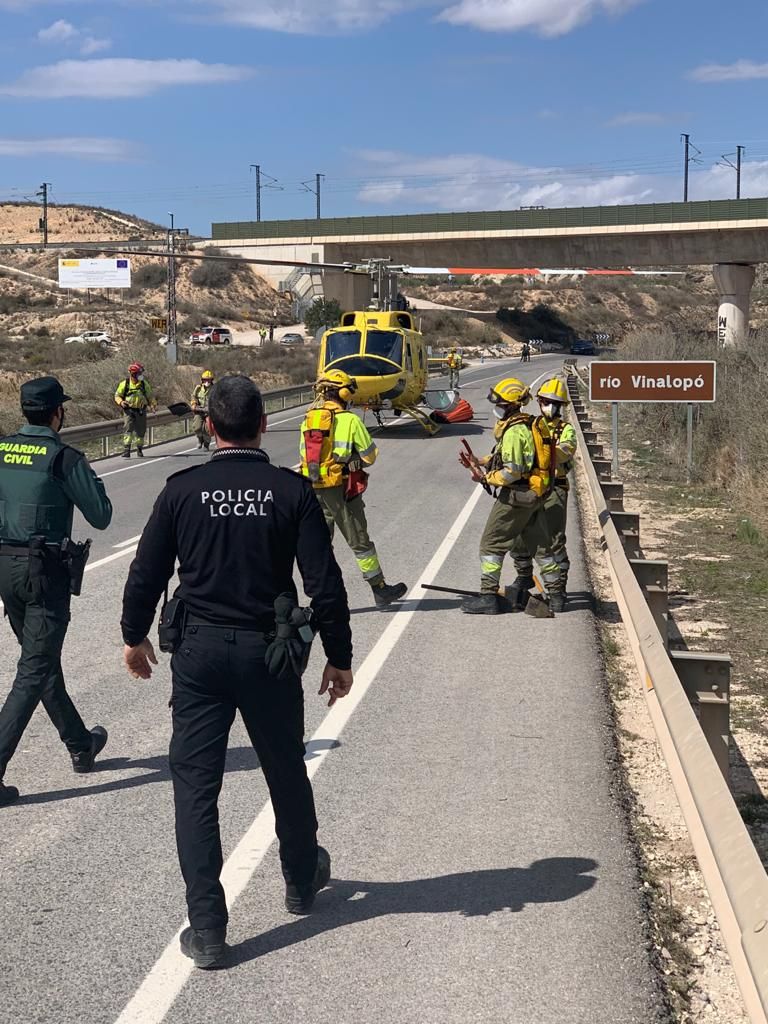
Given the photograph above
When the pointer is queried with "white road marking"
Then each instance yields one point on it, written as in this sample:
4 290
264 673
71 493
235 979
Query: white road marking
111 558
125 543
156 994
140 464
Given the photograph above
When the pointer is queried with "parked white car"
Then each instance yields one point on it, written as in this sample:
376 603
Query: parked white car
100 337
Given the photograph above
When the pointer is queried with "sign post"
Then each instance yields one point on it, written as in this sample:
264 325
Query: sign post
688 381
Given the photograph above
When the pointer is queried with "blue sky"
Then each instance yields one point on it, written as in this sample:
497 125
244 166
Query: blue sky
404 105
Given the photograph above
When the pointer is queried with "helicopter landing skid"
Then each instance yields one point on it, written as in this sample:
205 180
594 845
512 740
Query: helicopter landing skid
422 419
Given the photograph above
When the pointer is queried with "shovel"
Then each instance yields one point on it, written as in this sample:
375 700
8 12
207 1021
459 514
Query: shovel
180 409
537 606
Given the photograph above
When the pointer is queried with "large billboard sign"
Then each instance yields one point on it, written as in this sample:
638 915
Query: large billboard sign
653 381
98 273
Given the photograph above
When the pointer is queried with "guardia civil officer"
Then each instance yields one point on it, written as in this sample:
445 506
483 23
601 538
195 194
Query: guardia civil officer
237 525
41 481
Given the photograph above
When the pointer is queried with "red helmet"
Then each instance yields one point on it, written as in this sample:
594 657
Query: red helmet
135 368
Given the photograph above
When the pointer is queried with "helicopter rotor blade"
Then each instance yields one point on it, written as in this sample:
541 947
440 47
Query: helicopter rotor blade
164 254
533 272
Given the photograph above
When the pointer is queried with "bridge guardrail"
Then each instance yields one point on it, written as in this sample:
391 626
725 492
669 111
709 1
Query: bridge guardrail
695 749
274 401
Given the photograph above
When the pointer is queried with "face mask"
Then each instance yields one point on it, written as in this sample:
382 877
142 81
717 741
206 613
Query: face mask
140 377
499 412
550 409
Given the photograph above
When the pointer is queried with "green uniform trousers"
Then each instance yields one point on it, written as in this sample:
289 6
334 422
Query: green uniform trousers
515 514
134 427
40 625
199 430
349 516
552 555
453 377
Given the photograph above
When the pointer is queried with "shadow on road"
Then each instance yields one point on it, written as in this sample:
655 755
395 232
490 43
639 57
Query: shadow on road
239 759
470 893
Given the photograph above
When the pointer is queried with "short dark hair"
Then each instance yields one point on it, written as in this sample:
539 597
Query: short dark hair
236 408
39 417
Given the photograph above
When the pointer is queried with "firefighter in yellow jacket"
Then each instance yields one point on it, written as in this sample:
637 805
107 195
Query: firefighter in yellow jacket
553 558
199 405
518 469
453 361
134 396
334 447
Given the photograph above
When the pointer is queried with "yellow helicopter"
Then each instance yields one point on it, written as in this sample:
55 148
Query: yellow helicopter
387 356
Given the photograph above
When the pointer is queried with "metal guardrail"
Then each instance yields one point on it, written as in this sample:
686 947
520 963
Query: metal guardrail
695 749
274 401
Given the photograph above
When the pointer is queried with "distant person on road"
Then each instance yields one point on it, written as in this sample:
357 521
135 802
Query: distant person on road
334 447
525 353
518 468
262 335
453 361
42 480
237 526
134 396
199 404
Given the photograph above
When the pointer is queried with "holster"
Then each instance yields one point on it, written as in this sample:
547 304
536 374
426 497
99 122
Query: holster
290 644
170 628
39 566
75 557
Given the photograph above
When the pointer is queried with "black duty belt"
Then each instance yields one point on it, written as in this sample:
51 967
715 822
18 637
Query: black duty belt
12 550
261 626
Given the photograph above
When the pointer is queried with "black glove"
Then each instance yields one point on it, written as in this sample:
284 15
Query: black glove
291 643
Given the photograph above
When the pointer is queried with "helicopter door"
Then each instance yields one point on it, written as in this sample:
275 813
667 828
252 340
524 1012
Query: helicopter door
408 357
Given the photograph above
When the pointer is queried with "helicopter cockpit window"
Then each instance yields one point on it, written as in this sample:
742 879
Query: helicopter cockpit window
385 344
339 344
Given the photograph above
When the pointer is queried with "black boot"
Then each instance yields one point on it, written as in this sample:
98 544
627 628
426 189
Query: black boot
140 452
8 795
485 604
517 594
557 602
299 899
126 453
384 594
83 762
206 946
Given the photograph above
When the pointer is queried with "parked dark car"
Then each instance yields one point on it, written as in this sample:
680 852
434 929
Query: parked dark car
582 348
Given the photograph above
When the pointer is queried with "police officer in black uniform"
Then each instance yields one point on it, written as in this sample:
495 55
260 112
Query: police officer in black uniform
236 524
41 481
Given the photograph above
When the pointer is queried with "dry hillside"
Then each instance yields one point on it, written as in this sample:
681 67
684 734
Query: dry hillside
19 224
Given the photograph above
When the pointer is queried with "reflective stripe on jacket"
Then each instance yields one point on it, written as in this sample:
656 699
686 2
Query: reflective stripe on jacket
137 394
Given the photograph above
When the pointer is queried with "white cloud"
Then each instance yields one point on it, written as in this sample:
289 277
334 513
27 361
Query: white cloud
115 77
114 150
476 182
311 17
59 32
65 33
637 118
740 71
91 45
549 17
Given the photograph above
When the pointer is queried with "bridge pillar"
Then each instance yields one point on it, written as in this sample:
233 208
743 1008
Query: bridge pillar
734 283
352 291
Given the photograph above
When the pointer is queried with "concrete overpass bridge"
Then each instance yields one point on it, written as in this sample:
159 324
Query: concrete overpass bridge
731 235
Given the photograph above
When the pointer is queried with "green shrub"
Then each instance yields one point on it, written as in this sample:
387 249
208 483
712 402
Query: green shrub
152 275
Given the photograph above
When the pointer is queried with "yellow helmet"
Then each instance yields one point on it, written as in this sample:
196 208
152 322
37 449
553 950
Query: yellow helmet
553 391
206 375
509 391
336 380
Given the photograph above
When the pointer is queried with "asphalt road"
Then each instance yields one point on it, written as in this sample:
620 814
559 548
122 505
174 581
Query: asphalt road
481 865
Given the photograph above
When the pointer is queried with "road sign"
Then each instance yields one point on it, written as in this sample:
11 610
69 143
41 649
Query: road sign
99 273
653 381
158 323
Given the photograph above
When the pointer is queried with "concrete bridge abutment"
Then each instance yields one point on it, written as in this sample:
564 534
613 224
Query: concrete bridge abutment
734 283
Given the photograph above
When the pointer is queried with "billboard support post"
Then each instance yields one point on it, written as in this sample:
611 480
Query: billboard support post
689 452
615 439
